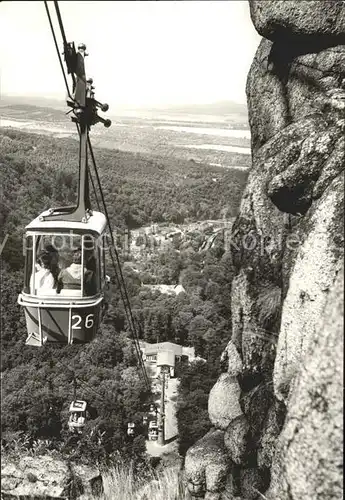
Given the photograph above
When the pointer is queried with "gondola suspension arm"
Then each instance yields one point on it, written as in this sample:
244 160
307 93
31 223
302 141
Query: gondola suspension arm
84 107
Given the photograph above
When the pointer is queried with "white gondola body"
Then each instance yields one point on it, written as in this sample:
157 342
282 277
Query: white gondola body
64 316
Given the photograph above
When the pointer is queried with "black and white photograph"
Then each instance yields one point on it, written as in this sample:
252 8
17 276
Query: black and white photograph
172 249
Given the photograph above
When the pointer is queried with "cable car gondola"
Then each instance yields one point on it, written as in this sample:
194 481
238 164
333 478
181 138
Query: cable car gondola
62 303
153 431
130 428
77 412
65 281
76 422
153 410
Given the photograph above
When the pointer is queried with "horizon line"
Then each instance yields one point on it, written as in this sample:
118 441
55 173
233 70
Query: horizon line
129 105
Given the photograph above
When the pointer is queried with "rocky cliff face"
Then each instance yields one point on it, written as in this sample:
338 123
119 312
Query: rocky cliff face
277 413
48 477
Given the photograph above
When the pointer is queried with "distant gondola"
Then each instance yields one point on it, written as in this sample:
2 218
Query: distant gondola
130 428
153 431
76 422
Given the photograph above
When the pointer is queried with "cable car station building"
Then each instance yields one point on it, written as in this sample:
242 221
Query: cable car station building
165 354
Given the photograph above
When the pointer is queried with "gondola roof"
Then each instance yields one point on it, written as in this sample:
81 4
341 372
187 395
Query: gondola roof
97 223
77 406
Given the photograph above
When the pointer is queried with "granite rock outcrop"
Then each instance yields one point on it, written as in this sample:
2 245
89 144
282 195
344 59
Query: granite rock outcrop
287 248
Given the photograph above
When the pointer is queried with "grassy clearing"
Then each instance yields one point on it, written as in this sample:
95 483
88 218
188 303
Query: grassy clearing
269 305
121 483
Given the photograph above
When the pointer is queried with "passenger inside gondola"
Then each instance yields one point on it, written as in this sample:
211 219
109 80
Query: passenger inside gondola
43 278
54 262
70 278
90 277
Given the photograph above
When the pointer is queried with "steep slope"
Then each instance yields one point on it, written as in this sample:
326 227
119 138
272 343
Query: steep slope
287 306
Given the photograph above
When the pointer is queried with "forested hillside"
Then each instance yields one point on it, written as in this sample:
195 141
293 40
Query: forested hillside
38 172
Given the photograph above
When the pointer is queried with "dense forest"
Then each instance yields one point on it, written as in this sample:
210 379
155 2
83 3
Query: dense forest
38 172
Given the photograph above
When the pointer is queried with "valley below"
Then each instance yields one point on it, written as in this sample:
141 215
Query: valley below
166 180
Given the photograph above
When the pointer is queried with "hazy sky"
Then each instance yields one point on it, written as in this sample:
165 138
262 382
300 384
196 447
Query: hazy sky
140 52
